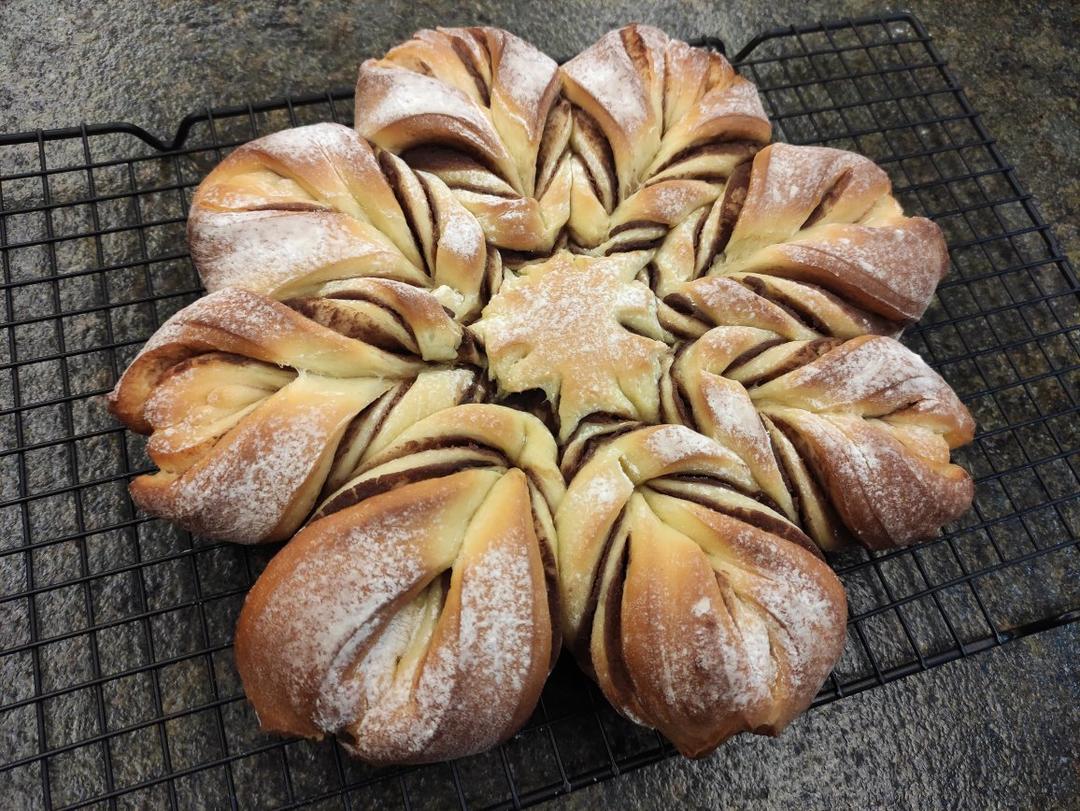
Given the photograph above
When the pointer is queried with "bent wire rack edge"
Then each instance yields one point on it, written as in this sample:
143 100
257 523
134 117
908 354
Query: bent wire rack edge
116 630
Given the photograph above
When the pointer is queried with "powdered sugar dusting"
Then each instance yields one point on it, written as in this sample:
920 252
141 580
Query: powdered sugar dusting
469 685
496 615
361 620
787 183
196 405
395 94
312 144
264 250
905 258
559 328
735 420
865 469
890 493
332 602
738 98
603 491
799 176
246 315
459 233
668 202
800 609
346 695
606 73
524 75
871 374
729 655
670 444
242 491
700 657
728 303
759 676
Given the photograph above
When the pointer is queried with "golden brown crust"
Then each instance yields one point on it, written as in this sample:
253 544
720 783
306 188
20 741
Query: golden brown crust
416 623
699 610
610 244
250 325
288 212
875 425
844 436
260 480
477 108
818 231
619 145
247 400
659 127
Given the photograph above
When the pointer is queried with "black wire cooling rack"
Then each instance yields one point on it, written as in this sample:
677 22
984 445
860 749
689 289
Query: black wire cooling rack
118 687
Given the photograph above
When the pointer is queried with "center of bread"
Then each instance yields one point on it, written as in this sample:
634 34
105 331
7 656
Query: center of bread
583 330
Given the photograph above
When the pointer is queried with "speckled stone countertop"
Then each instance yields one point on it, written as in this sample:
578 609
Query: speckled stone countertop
995 730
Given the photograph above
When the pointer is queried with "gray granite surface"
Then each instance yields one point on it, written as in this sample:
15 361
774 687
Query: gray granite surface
993 731
997 730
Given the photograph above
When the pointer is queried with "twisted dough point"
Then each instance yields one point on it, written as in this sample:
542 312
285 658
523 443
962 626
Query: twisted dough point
415 620
843 436
699 610
815 234
658 128
287 213
247 402
479 108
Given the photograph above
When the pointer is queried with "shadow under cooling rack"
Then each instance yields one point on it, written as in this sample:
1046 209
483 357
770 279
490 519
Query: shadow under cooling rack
115 630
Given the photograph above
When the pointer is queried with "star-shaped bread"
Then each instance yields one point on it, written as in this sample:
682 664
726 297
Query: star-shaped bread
581 329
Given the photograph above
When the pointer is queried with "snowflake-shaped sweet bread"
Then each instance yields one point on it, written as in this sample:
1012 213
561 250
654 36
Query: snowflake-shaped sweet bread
541 351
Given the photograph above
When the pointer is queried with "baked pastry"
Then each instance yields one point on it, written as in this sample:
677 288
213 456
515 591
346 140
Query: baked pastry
254 409
413 615
515 279
309 211
607 152
700 610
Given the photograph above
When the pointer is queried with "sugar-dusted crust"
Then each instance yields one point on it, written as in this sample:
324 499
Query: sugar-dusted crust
247 401
699 610
815 233
416 622
246 324
845 437
581 329
479 108
611 252
658 128
291 211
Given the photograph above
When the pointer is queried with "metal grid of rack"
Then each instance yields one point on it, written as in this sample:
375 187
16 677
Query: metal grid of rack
115 630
